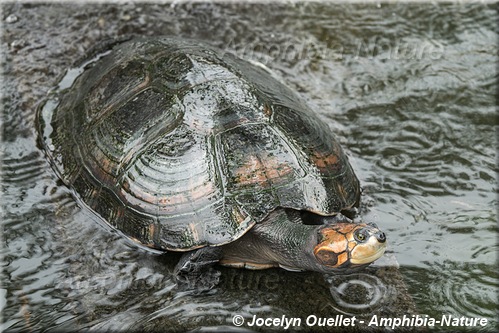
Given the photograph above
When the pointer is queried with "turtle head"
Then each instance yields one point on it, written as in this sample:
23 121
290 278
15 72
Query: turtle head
345 246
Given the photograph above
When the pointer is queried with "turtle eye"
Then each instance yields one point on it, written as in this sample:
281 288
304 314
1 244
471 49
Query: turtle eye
361 235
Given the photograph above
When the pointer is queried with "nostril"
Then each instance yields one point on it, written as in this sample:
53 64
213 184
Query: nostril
380 236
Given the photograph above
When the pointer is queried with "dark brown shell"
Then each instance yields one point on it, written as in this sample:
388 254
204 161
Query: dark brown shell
181 146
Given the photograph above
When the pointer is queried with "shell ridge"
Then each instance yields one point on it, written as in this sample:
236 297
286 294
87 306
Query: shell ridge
138 149
181 148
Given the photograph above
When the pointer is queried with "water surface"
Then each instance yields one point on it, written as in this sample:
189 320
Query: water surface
408 88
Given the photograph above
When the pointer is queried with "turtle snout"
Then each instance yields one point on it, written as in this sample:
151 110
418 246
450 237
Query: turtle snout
380 236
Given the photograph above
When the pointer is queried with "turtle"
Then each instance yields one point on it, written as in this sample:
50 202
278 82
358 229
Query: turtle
181 146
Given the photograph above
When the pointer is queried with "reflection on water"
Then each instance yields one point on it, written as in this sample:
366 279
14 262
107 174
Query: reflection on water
408 88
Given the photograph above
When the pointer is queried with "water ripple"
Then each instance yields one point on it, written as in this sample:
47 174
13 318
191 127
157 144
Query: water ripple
359 293
24 170
421 152
460 290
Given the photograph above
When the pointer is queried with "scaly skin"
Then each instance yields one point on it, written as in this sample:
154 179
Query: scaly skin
283 240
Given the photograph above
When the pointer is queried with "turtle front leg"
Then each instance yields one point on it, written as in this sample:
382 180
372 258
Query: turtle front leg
195 269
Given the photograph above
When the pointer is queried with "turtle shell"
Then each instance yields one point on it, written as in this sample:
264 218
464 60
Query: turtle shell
180 145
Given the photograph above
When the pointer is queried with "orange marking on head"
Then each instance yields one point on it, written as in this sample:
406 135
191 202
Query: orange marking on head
333 240
338 246
332 244
342 258
351 245
350 237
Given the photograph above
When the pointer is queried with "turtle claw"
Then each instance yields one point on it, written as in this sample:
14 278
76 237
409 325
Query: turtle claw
194 270
205 281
